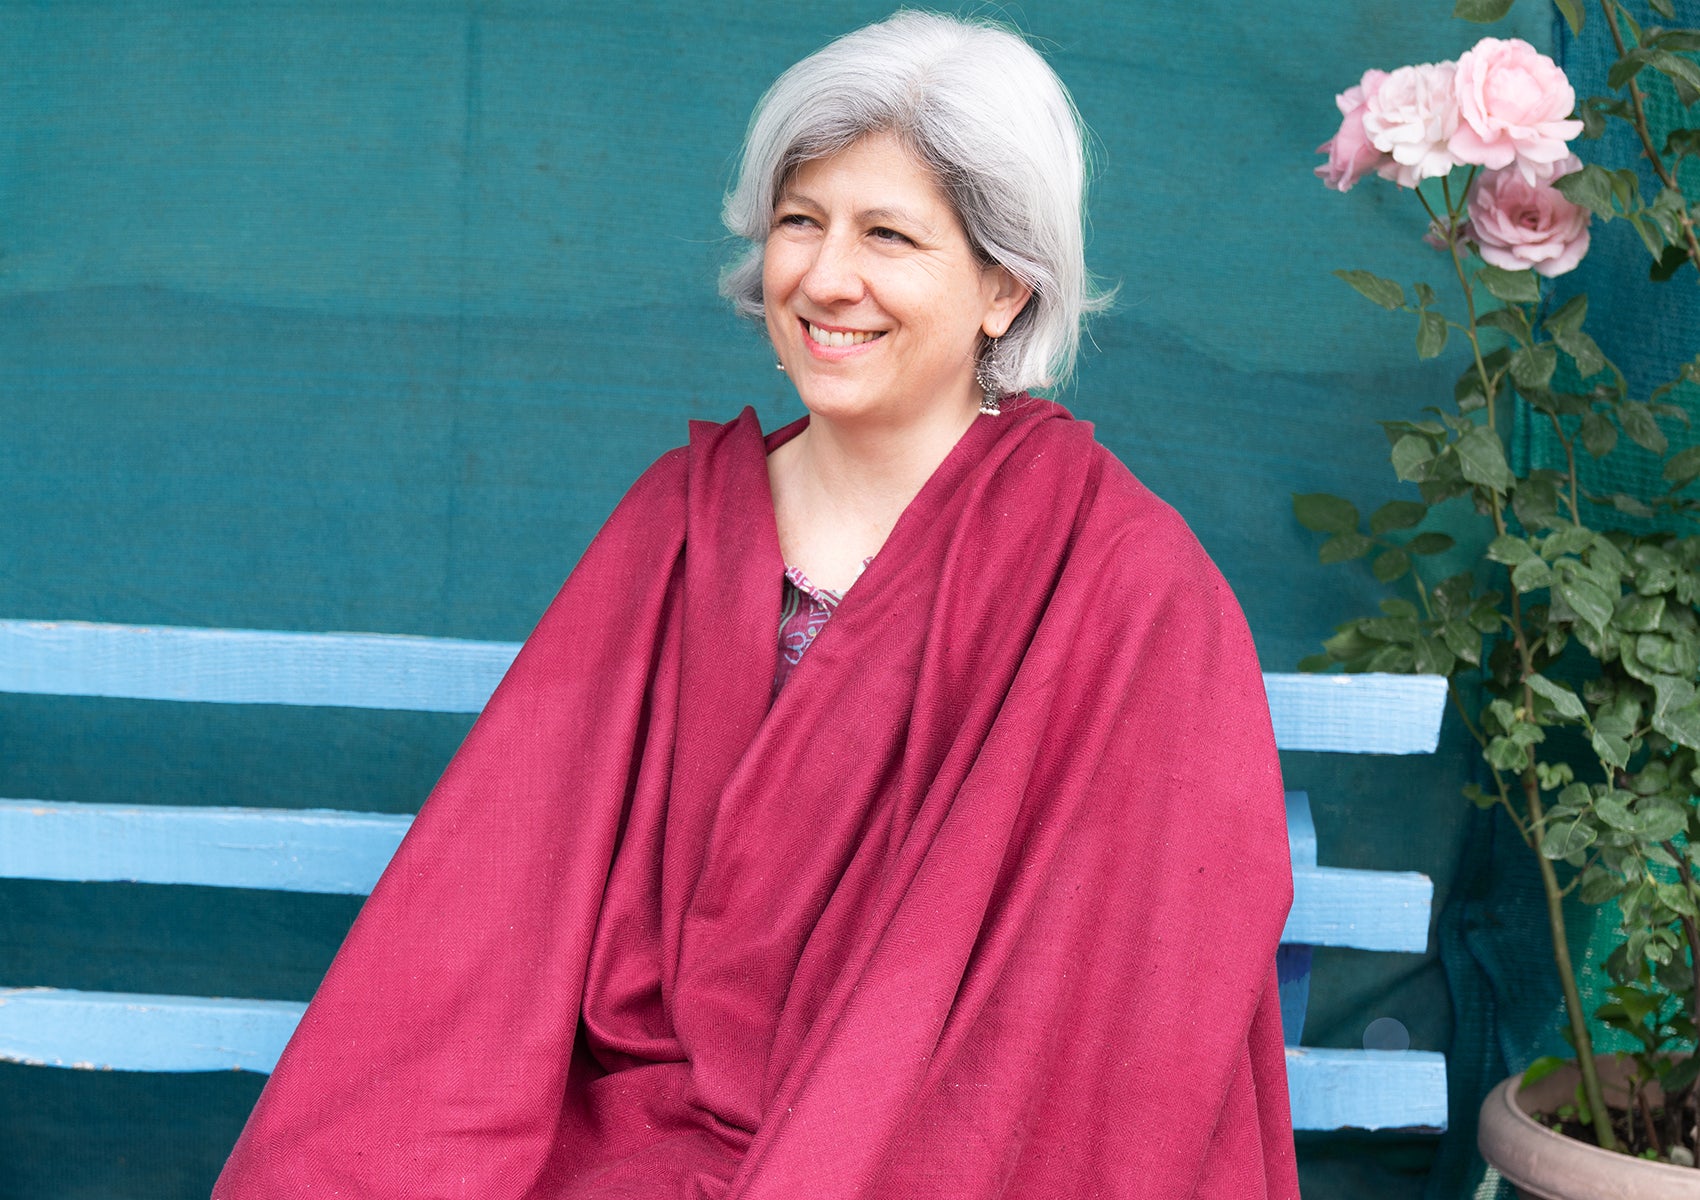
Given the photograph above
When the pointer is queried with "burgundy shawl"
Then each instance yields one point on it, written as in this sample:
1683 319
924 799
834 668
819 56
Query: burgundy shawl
985 904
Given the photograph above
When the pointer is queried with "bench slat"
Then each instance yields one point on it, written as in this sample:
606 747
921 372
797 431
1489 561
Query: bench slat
127 1031
291 850
1357 714
322 850
1362 714
1330 1089
1365 910
1366 1089
250 666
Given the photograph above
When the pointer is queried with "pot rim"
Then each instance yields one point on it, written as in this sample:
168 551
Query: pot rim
1504 1095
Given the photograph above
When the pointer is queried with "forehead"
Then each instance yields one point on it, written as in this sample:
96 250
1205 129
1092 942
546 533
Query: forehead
875 171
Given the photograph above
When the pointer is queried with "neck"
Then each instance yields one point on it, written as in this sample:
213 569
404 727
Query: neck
839 487
880 467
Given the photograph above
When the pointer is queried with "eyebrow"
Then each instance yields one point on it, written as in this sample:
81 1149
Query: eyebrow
868 216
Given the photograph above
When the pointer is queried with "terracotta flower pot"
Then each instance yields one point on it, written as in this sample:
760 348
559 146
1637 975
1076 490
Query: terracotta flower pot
1544 1165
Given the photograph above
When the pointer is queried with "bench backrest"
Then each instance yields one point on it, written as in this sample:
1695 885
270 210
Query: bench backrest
321 850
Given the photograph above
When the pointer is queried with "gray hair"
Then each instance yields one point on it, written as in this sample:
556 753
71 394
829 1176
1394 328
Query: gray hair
994 124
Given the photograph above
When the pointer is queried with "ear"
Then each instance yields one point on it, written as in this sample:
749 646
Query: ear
1006 297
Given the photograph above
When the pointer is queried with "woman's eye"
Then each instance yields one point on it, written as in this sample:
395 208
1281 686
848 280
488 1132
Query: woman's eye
794 220
883 234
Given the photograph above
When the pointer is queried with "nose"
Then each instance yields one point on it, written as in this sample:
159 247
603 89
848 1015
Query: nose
833 276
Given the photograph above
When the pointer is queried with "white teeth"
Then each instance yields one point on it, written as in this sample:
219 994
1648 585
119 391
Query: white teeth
832 338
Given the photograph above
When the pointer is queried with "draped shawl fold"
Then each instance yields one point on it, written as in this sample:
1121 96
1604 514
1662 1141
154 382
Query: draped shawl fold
985 904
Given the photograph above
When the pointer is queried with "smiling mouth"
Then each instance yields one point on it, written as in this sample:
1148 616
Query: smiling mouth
834 338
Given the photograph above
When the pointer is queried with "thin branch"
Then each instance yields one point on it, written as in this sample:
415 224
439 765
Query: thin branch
1609 7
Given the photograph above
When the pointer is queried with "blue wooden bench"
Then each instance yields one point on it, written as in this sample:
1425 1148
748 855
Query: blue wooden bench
321 850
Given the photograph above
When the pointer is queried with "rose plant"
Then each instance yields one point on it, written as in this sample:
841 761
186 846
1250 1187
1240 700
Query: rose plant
1572 645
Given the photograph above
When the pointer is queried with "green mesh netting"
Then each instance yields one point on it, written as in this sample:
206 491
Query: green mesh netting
361 316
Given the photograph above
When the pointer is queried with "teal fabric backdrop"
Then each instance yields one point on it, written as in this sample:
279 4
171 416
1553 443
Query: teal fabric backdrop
362 316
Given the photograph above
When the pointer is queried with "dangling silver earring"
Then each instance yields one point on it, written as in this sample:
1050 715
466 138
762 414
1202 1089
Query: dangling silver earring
985 374
779 365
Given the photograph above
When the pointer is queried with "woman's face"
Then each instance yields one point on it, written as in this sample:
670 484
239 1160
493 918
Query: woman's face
875 302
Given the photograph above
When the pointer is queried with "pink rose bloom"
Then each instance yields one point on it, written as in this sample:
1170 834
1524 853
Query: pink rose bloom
1351 156
1412 116
1520 225
1514 106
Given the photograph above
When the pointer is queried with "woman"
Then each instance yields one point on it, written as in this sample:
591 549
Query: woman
925 897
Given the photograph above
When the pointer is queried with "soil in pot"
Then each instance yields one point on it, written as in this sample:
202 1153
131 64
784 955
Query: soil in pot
1544 1164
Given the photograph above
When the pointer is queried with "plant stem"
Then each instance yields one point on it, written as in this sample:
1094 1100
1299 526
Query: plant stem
1689 931
1481 366
1569 445
1692 245
1531 784
1567 975
1647 1121
1523 831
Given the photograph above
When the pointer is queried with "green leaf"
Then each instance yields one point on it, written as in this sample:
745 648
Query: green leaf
1681 1076
1462 639
1531 574
1679 69
1565 838
1664 9
1325 513
1431 657
1659 822
1627 67
1683 467
1591 188
1373 287
1572 539
1312 663
1532 366
1676 713
1509 321
1573 14
1343 547
1613 751
1431 335
1652 236
1429 543
1639 614
1513 287
1482 12
1625 503
1536 503
1563 699
1613 809
1509 549
1599 435
1639 424
1397 514
1411 457
1674 258
1625 186
1670 691
1540 1069
1503 754
1425 294
1683 143
1481 457
1569 317
1587 598
1599 886
1579 346
1391 565
1398 606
